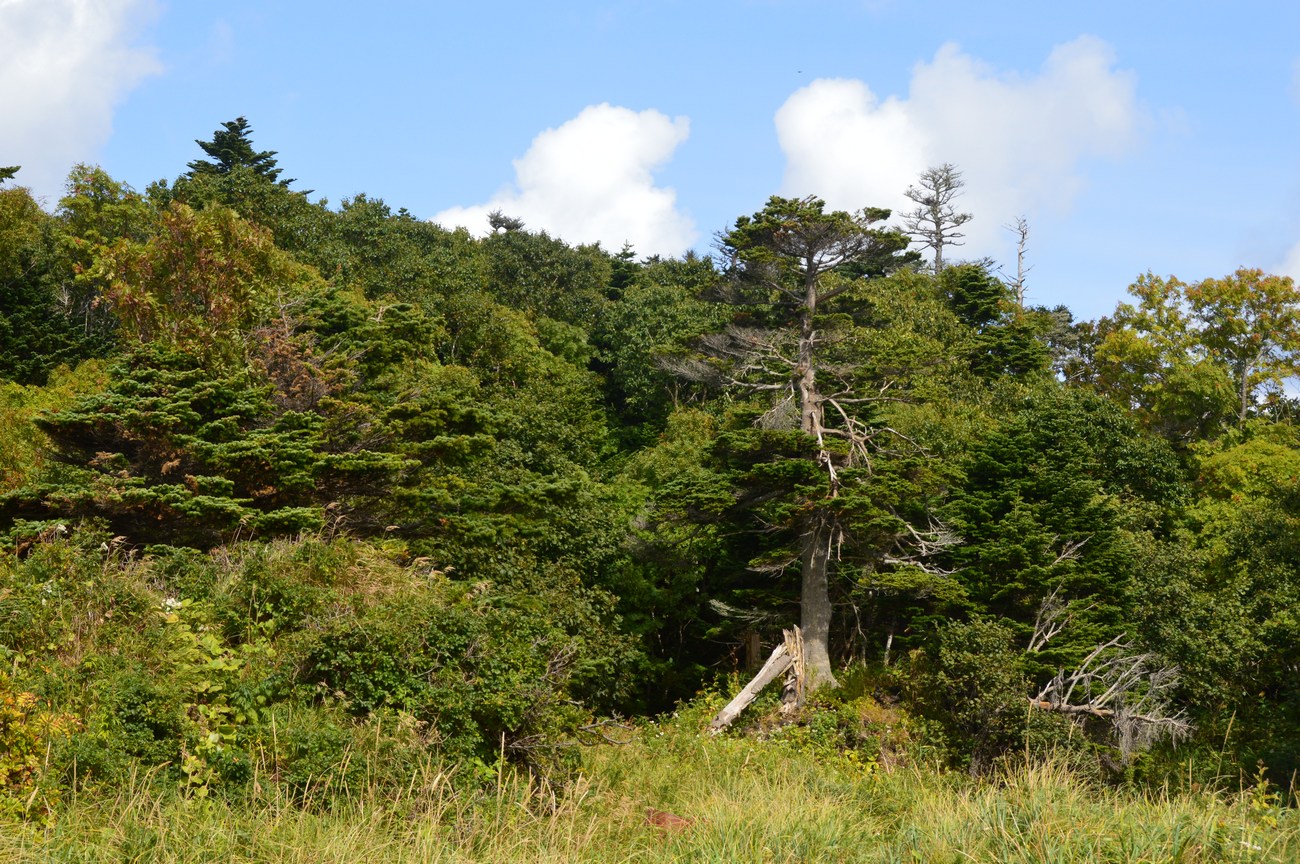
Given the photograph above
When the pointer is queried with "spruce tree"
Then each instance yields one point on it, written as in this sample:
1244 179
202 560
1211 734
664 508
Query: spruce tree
231 147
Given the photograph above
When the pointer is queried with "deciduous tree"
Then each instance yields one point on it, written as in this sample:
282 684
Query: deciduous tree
1192 358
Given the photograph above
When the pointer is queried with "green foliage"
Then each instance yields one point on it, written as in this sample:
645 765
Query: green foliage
356 492
547 278
1054 501
23 447
323 663
791 238
1007 340
657 315
973 682
1194 358
387 254
486 668
300 227
172 453
199 283
232 148
1222 596
42 323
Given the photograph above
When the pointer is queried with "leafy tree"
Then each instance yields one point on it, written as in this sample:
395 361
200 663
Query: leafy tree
1249 323
935 220
973 682
231 147
655 317
7 173
1191 358
1221 594
305 229
37 333
546 277
96 212
392 254
199 283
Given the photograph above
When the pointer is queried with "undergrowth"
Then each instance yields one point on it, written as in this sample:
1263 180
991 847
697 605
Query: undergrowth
746 798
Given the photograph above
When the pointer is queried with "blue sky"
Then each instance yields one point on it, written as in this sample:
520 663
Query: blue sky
1133 136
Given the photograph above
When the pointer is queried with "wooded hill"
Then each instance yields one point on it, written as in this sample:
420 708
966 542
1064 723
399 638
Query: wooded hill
278 479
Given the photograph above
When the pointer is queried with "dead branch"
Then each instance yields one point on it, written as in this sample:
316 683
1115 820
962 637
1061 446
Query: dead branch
922 547
599 730
1123 686
1050 621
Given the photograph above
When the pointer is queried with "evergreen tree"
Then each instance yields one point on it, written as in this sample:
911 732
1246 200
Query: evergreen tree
231 147
800 350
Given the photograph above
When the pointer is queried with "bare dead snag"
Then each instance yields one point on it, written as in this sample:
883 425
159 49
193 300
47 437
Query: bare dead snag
788 657
1115 683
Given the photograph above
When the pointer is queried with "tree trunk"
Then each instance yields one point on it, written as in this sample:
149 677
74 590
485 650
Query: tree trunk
1243 387
777 664
815 602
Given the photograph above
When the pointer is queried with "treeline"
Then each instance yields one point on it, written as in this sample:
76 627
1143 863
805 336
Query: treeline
281 481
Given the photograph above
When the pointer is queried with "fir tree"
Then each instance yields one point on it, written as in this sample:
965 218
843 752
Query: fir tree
231 148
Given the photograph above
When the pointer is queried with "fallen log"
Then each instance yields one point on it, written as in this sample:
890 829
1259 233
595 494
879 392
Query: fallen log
786 657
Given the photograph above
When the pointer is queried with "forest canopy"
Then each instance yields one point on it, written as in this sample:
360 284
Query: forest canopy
277 472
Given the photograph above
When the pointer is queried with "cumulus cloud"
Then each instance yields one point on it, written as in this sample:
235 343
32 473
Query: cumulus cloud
1018 139
1291 264
592 180
64 66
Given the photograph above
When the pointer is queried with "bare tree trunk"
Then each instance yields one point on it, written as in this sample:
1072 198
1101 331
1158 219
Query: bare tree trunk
1021 229
1243 386
778 663
815 602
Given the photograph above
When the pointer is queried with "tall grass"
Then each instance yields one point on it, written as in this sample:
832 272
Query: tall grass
748 800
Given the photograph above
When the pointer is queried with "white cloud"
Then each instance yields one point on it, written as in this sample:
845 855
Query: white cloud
64 67
591 180
1019 140
1291 264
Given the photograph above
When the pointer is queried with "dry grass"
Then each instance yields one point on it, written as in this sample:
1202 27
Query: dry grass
747 801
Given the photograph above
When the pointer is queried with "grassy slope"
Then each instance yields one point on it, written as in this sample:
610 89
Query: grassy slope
749 801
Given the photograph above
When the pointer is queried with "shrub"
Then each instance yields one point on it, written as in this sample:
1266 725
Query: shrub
26 731
972 682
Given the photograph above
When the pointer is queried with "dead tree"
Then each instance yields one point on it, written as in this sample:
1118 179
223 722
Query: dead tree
935 220
1116 683
788 659
1021 229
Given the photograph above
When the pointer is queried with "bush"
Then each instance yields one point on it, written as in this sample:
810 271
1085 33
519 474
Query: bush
484 667
972 682
27 730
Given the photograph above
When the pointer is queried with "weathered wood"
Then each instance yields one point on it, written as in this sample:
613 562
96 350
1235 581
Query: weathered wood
786 657
796 678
